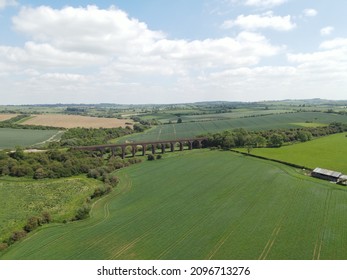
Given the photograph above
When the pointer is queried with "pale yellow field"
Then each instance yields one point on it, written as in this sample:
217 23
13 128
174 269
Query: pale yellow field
4 117
70 121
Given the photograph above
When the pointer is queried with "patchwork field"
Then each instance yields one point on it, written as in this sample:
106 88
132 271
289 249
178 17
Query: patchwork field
10 138
4 117
192 129
71 121
327 152
203 205
21 199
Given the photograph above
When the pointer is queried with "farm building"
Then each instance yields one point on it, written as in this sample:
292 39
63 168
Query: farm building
326 174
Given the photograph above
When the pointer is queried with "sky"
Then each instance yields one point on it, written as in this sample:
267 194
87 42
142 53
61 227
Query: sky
160 51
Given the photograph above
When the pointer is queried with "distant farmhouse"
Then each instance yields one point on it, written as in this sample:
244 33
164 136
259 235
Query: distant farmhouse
329 175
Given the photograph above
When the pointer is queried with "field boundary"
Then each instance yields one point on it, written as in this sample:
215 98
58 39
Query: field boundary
274 160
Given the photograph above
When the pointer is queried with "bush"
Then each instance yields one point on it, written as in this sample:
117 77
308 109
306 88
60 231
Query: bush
159 157
32 224
83 212
3 246
46 218
17 235
150 157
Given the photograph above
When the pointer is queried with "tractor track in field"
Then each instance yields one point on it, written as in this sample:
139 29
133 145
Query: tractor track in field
278 226
321 232
234 226
176 243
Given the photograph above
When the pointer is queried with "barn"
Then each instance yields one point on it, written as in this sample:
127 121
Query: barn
326 174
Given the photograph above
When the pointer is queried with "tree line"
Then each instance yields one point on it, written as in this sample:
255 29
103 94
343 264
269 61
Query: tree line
270 138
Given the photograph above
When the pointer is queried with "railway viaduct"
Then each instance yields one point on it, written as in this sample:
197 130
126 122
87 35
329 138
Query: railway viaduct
192 142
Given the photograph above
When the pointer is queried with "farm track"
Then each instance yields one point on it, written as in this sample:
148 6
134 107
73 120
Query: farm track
322 229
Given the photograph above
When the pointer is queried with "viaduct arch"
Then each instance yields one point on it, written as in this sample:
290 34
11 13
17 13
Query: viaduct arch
192 143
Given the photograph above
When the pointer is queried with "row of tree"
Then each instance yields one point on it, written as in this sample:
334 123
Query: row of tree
59 163
270 138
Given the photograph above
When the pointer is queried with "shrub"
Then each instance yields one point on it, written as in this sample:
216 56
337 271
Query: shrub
17 235
46 218
3 246
82 212
32 224
150 157
159 156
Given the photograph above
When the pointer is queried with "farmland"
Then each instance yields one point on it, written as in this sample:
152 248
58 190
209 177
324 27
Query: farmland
24 198
4 117
10 138
71 121
327 152
191 129
203 205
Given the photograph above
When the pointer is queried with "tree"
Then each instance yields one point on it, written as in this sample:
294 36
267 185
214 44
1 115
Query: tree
18 154
179 120
276 140
304 136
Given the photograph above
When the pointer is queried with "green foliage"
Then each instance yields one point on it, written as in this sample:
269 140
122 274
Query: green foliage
16 236
50 200
3 246
275 140
83 212
32 224
150 157
92 136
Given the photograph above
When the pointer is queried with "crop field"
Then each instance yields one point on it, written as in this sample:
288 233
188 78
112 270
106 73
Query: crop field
4 117
203 205
327 152
10 138
71 121
192 129
24 198
165 117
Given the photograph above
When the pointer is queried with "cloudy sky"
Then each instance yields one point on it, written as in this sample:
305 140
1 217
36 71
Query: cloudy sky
161 51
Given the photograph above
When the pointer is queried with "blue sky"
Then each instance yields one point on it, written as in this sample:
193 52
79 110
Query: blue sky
137 51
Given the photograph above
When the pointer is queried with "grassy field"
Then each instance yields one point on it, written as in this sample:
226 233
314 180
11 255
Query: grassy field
327 152
203 205
71 121
24 198
10 138
192 129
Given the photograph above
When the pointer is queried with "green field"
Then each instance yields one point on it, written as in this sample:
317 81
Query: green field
327 152
24 198
192 129
10 138
203 205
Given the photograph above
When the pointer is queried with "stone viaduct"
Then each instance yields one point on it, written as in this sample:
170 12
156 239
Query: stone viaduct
192 142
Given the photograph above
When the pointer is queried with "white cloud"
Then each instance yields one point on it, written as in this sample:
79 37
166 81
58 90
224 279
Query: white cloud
264 3
310 12
326 30
267 20
6 3
89 29
75 54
